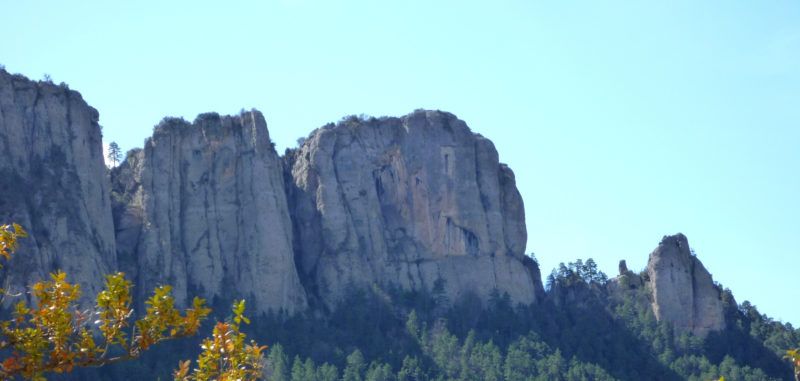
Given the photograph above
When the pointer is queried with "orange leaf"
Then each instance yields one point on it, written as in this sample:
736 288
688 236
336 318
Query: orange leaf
10 363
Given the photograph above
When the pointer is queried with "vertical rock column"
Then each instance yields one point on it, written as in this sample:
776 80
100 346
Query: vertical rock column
53 182
684 293
214 217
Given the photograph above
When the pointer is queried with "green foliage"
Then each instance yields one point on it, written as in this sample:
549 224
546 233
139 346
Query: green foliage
9 236
53 336
303 370
327 372
793 355
277 368
411 370
114 153
355 367
379 372
226 355
580 332
577 272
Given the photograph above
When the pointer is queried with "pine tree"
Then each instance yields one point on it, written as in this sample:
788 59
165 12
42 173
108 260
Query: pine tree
114 153
411 370
327 372
355 367
298 372
278 364
379 372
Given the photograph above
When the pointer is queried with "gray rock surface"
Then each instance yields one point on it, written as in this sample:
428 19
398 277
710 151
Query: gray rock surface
407 201
53 182
127 202
203 208
683 292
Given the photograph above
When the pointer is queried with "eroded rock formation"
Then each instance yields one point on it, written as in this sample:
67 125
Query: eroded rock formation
203 208
408 201
54 183
683 291
210 208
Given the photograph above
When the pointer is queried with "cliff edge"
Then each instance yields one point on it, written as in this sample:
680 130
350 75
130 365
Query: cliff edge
53 181
203 208
408 201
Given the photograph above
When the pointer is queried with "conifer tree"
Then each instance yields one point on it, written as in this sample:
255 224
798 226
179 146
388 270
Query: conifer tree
114 153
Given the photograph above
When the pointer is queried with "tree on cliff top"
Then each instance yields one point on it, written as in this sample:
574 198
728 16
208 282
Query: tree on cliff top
114 153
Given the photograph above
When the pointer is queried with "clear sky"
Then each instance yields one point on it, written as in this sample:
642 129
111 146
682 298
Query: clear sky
624 121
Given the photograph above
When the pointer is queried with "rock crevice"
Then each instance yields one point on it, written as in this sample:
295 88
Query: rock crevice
212 213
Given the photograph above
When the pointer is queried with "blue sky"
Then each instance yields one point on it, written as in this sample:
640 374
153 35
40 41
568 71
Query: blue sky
624 121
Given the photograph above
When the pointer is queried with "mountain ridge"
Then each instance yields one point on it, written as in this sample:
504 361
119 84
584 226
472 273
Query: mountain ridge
367 218
417 202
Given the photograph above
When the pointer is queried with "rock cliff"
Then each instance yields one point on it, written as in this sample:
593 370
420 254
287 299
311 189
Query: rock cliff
683 292
416 202
210 208
203 207
408 201
53 182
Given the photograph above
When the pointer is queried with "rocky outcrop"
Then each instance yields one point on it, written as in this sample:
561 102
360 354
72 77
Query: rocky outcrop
412 202
408 201
417 202
683 292
54 183
203 208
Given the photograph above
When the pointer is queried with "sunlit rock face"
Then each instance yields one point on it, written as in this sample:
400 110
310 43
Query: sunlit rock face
418 202
683 292
204 209
408 201
53 182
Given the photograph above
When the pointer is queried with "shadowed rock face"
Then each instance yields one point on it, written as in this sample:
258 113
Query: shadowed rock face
54 183
684 293
408 201
203 208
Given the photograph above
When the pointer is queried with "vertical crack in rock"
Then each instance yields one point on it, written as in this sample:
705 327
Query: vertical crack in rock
684 293
214 214
53 182
416 198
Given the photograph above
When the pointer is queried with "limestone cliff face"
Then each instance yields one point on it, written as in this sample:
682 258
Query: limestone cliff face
683 291
209 207
54 183
407 201
203 208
